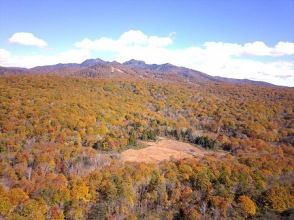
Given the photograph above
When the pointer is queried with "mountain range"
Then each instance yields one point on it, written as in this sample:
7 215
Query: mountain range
129 69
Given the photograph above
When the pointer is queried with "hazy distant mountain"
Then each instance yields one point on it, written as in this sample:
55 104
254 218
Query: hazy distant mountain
132 68
171 69
12 70
49 68
243 81
135 63
92 62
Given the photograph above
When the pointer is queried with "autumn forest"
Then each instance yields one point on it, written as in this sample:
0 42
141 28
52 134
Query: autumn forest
63 131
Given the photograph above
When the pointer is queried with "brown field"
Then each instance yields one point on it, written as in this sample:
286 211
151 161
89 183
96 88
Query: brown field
166 149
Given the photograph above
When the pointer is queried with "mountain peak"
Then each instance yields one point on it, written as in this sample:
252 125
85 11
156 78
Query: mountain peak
135 63
92 62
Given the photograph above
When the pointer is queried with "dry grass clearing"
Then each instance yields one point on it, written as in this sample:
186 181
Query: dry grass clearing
166 149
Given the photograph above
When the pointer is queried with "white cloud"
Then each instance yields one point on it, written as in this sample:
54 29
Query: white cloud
5 58
27 39
257 48
155 41
103 44
137 39
28 61
214 58
132 38
222 49
285 48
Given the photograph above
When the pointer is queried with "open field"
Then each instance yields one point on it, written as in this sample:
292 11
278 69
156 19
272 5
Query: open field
166 149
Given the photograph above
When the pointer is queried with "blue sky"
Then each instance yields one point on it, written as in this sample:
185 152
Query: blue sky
183 28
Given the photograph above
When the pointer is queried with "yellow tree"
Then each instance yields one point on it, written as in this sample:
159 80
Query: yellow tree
247 206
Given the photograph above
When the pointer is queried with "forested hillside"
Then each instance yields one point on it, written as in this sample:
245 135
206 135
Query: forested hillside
61 139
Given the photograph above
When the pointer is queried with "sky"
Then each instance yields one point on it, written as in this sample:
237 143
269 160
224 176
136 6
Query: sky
230 38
